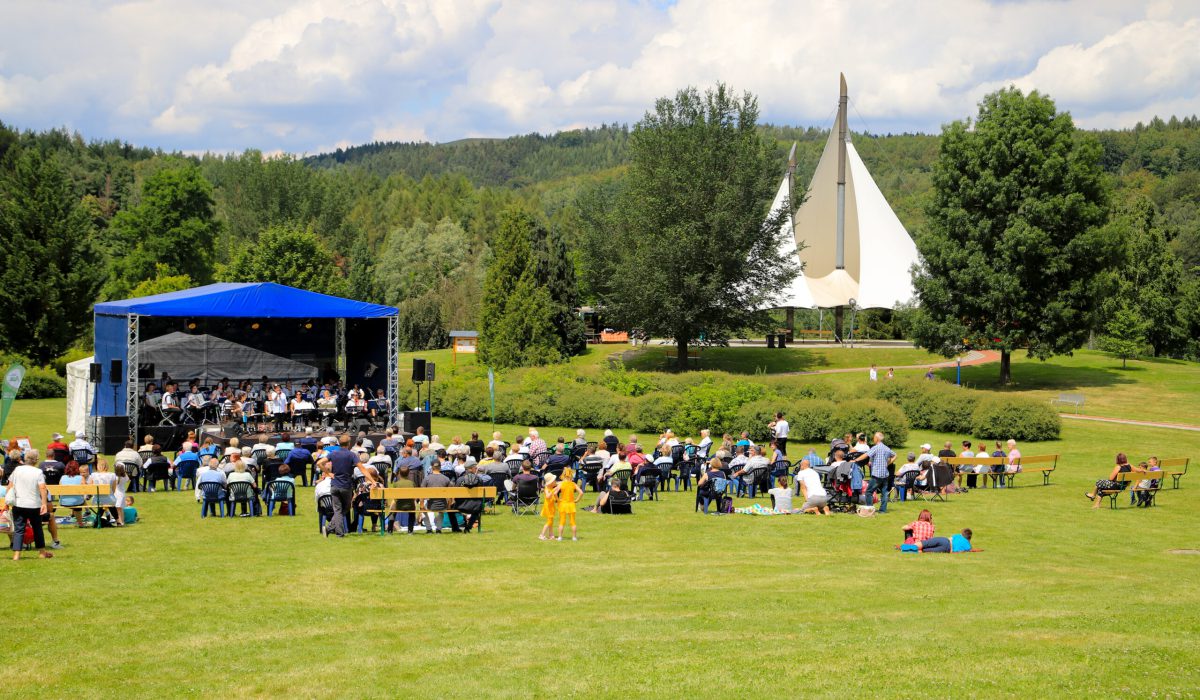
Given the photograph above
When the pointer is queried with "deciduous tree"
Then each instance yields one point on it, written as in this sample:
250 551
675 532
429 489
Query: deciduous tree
1013 249
689 236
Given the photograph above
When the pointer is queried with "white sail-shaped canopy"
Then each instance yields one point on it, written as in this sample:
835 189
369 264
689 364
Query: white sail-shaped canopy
878 252
796 294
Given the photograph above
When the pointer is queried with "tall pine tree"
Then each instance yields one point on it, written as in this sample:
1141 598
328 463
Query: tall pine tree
51 272
527 315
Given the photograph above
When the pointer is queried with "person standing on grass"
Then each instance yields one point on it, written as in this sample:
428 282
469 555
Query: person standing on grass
549 506
880 457
568 493
781 429
873 374
342 463
30 501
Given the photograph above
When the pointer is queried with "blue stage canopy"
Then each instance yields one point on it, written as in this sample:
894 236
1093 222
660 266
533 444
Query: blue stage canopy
245 300
117 333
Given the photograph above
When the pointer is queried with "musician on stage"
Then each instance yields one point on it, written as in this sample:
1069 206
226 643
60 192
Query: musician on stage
170 403
277 406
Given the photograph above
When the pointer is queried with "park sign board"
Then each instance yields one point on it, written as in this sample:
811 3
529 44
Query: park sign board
8 393
464 342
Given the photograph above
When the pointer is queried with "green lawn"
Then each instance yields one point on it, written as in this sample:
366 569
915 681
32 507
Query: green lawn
666 603
738 360
1150 389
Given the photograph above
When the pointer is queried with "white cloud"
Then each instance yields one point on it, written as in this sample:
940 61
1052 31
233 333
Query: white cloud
273 74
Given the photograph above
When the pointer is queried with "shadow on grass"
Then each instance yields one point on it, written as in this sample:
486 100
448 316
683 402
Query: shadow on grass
1048 375
732 360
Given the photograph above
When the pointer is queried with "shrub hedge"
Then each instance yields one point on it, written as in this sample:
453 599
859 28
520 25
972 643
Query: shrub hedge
650 402
1006 417
868 416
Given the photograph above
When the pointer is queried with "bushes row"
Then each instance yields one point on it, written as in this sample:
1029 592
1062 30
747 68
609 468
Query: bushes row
650 403
950 409
39 382
1001 418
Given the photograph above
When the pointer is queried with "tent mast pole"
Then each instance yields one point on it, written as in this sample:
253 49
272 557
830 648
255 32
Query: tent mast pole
840 260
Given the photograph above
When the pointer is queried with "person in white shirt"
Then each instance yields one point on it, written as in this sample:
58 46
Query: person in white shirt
81 443
816 500
705 444
170 403
420 439
103 477
756 460
782 496
926 455
324 481
263 445
874 374
782 429
30 502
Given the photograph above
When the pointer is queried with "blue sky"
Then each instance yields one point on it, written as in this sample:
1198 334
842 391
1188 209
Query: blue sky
311 75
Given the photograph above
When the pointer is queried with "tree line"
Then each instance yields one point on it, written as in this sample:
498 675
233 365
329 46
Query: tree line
423 226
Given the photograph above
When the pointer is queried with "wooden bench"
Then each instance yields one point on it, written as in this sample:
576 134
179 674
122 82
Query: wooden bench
813 333
1175 467
1075 400
92 491
693 354
1135 479
387 494
1043 464
989 462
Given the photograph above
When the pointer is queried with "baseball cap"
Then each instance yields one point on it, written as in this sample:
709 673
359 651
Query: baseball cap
926 446
79 434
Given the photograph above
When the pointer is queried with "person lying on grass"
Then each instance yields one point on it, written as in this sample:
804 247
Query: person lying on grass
957 543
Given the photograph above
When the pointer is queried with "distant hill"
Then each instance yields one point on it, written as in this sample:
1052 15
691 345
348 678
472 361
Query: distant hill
515 162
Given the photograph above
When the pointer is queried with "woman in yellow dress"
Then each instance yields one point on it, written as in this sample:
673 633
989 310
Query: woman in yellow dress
568 493
549 506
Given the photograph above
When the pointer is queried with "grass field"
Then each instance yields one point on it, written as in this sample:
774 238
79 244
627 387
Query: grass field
665 603
1148 389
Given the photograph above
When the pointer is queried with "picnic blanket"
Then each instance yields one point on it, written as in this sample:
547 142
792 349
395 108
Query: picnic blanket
758 509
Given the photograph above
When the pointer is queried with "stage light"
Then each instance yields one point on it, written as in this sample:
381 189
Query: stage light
191 325
308 326
254 326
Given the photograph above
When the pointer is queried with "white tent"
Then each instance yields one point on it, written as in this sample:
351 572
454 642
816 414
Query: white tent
79 395
876 254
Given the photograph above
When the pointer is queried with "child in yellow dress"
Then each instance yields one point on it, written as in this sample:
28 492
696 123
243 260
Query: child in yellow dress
549 506
568 493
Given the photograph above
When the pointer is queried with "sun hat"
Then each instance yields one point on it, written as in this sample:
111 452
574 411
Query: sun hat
550 479
79 435
56 436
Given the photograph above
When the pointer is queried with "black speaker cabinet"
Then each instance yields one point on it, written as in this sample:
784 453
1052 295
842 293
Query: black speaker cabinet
145 370
114 431
418 370
115 373
429 371
409 420
95 373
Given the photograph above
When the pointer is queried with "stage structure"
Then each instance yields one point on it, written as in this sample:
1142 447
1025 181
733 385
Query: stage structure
857 254
268 327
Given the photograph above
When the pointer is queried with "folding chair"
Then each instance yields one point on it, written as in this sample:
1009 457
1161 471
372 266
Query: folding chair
526 498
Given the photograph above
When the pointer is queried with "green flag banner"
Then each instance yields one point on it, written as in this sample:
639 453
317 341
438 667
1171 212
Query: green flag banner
492 395
12 384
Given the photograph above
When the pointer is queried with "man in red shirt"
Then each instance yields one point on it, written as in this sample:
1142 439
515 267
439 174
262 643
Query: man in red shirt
57 449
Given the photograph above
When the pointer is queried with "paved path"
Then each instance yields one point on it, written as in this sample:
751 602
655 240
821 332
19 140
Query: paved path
1126 421
975 357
